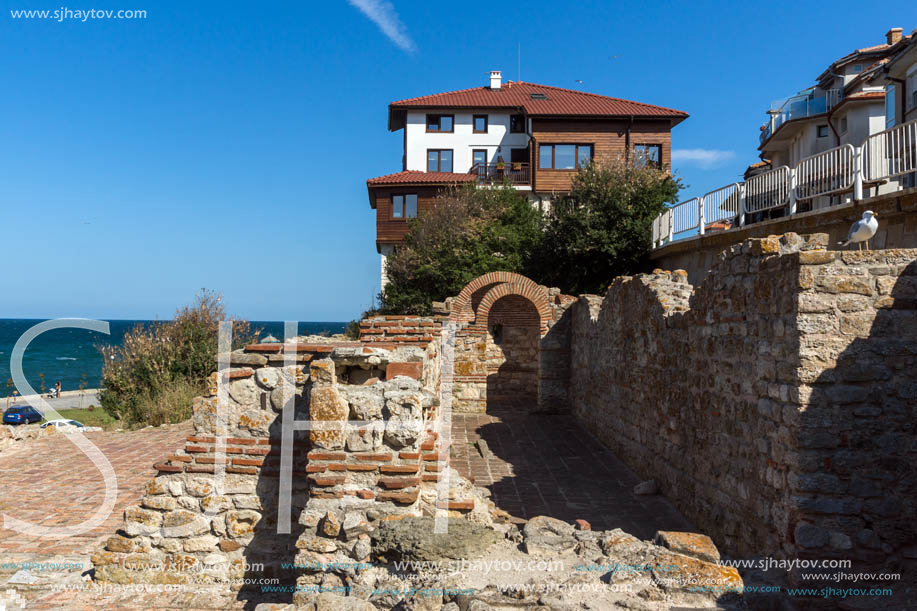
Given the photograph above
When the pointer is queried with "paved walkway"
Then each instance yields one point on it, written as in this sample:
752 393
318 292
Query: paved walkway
49 481
72 399
549 465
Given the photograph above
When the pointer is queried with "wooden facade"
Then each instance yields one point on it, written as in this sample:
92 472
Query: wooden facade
390 230
610 139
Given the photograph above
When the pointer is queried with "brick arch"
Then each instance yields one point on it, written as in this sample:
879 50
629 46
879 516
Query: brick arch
537 295
463 309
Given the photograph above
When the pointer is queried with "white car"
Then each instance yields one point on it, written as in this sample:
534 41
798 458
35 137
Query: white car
62 423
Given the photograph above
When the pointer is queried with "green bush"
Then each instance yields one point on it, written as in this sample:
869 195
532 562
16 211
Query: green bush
602 228
470 231
151 378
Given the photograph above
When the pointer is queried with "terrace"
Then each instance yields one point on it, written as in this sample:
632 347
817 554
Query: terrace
513 173
885 157
800 106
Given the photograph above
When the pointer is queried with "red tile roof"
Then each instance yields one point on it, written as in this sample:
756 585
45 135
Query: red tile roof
558 102
413 177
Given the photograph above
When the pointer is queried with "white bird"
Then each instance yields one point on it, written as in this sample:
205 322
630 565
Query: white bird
862 230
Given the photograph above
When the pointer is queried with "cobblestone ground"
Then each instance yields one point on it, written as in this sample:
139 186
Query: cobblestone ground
541 465
549 465
52 483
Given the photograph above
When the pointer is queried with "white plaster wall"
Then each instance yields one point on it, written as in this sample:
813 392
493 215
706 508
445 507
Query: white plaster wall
385 250
497 140
862 120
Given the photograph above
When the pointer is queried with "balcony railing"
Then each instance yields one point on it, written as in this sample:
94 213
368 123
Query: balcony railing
799 107
514 173
882 157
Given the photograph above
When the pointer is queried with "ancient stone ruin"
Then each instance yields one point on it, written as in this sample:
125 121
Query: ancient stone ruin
772 405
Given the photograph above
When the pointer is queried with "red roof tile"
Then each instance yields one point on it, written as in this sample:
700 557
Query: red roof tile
413 177
558 102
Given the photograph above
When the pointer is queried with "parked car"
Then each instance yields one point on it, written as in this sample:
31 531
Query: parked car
21 414
57 423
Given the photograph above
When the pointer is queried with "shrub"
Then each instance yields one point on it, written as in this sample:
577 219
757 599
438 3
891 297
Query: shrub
159 367
602 229
470 231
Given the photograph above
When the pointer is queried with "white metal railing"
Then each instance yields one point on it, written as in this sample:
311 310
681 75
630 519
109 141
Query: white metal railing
826 173
686 215
882 156
768 190
891 153
662 228
723 203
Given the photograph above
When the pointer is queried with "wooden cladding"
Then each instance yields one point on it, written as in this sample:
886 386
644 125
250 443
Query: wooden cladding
610 139
391 230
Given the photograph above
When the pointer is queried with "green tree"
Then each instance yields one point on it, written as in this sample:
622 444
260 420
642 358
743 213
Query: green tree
470 231
602 229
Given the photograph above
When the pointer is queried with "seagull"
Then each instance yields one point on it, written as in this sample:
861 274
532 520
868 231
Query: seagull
862 230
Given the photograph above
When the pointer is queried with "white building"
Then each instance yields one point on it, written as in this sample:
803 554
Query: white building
845 106
532 137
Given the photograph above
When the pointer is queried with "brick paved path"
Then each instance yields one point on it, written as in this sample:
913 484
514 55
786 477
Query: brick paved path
549 465
50 482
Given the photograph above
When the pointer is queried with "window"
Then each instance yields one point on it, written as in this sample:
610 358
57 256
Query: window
648 155
517 124
478 157
911 90
843 126
564 156
822 131
439 123
479 123
404 206
889 106
857 68
439 160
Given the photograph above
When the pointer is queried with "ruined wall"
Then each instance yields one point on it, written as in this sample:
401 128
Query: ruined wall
772 403
399 329
371 410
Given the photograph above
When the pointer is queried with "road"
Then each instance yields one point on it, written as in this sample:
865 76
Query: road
67 400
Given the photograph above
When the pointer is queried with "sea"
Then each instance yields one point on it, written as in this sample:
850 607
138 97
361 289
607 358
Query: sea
71 356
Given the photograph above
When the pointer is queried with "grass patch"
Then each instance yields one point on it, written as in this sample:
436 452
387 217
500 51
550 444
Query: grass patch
90 417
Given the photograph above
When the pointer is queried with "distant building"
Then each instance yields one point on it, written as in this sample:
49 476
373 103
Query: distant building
534 137
899 76
844 106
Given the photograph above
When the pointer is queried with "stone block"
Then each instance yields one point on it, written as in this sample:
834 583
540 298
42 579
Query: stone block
410 370
691 544
241 523
328 412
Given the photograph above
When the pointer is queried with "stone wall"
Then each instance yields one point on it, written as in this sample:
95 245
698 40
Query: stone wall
772 403
371 442
896 213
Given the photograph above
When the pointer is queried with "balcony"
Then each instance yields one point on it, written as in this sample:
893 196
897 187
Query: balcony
798 107
514 173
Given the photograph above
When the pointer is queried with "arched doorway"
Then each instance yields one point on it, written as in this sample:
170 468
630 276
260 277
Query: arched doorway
501 319
512 352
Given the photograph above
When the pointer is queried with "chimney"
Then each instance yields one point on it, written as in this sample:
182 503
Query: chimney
892 36
496 76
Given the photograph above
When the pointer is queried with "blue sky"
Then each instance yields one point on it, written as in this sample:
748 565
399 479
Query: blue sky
225 145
